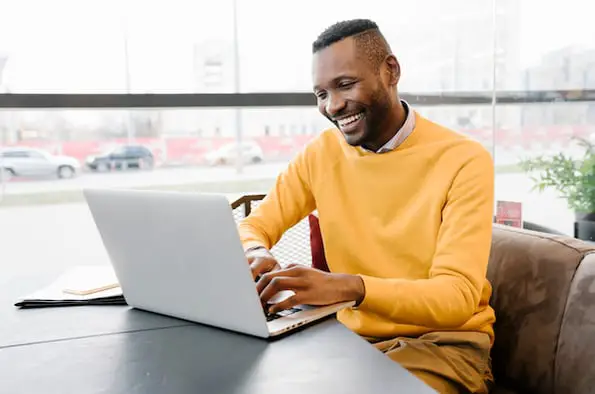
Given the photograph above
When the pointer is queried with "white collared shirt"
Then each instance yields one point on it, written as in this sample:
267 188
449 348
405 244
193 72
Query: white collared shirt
402 133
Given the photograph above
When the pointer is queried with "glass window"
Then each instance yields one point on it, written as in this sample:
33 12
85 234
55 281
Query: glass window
35 155
554 52
447 49
116 46
15 154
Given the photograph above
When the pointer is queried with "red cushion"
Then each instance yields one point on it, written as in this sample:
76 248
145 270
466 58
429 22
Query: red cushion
316 246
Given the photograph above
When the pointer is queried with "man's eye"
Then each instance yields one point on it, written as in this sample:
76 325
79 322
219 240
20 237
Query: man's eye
346 84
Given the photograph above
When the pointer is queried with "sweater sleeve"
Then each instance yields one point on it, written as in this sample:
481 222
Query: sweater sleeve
288 202
452 292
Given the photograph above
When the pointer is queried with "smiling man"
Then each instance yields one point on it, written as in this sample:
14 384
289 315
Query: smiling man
405 209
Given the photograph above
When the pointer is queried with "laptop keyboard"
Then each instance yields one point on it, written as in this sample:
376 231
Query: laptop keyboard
287 312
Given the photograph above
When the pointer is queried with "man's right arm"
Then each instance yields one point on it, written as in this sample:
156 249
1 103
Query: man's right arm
288 202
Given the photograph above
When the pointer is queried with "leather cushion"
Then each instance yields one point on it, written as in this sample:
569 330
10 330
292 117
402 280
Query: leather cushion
531 275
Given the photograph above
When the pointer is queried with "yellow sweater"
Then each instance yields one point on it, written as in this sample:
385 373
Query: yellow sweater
415 223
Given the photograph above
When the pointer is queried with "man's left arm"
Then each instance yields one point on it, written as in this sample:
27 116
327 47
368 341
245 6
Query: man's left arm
451 294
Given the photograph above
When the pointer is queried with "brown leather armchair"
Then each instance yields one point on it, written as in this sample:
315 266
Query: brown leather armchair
544 298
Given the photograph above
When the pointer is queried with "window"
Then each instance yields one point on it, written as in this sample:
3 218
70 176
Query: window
180 46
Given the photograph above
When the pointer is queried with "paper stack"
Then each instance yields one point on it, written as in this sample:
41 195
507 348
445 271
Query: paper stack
83 285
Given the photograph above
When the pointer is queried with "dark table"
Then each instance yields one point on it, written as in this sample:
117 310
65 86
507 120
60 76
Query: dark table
26 326
116 349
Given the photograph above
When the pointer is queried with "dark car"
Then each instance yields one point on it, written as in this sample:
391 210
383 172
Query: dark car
122 158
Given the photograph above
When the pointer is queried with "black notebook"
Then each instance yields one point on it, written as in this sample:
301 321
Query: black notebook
84 285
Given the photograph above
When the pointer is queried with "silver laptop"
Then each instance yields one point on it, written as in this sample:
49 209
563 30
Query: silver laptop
179 254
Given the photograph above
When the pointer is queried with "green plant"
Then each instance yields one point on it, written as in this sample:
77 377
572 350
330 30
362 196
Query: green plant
572 179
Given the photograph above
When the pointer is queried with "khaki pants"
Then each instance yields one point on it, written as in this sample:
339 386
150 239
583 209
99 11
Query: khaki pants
449 362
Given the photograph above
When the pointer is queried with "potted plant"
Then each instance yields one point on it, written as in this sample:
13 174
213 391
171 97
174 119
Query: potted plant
574 180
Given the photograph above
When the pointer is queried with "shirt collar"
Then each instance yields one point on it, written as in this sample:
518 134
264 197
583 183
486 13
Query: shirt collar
402 133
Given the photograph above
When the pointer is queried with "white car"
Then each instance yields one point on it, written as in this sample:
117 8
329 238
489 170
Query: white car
228 153
32 162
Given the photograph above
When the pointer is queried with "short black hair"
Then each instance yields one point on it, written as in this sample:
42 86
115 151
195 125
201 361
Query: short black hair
367 36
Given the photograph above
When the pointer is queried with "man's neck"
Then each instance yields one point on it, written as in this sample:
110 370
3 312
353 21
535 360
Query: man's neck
392 126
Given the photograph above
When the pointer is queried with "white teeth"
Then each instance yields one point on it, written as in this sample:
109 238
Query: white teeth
350 119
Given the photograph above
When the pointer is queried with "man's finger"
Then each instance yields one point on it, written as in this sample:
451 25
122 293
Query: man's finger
290 302
261 266
278 284
267 277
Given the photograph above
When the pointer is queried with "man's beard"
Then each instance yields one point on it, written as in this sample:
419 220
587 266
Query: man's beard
376 117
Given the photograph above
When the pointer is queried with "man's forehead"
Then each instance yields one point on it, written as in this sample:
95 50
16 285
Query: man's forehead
336 58
340 51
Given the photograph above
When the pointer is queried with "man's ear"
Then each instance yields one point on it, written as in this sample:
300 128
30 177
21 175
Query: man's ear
393 69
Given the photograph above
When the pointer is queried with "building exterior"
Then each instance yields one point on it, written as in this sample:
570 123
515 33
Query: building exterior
568 68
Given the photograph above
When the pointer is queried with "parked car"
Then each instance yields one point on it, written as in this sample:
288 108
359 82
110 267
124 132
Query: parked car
33 162
122 158
228 153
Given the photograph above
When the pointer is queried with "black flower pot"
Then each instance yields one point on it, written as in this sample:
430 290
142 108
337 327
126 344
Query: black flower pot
584 226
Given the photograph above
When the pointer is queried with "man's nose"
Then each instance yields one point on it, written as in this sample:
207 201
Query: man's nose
334 105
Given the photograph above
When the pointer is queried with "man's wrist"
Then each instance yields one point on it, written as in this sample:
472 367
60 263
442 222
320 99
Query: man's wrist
253 248
258 250
355 289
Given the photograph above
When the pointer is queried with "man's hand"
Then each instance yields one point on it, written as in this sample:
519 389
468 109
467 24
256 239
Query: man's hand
261 261
311 286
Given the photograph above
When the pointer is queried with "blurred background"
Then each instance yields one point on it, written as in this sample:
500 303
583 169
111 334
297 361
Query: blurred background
517 75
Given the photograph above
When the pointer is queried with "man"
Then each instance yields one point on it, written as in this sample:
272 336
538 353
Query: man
405 209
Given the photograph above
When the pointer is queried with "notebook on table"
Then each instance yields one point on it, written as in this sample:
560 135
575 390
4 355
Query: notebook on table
84 285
